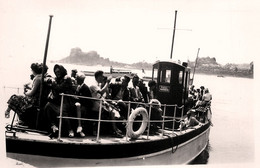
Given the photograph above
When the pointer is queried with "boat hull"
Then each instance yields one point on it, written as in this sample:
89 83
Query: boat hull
179 149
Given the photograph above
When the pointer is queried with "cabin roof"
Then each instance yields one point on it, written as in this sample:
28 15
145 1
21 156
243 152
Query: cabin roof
169 62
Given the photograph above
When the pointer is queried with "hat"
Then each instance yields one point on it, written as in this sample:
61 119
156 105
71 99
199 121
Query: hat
191 111
202 87
125 78
155 102
135 76
74 70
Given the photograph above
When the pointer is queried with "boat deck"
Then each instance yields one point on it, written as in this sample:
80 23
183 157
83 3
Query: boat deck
90 139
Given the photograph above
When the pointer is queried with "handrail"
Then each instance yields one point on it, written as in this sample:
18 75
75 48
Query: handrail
18 88
92 98
99 120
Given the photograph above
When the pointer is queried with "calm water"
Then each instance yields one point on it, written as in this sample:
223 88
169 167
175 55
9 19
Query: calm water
232 136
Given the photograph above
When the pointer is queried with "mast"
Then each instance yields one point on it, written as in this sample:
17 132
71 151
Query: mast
43 69
195 65
173 35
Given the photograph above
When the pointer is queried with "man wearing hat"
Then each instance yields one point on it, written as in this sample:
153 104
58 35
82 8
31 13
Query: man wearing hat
190 120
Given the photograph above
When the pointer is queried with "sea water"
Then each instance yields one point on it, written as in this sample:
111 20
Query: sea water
231 138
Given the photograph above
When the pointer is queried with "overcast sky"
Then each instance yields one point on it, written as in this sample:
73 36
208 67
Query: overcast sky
131 30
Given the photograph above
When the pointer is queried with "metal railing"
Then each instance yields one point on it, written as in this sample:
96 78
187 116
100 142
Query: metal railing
164 120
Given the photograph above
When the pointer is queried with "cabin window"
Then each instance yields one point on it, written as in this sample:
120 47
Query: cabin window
155 73
180 77
165 76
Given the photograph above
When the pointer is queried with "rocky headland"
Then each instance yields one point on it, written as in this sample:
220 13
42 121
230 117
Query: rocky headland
205 65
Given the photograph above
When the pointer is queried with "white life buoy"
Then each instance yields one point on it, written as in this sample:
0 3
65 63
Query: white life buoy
138 111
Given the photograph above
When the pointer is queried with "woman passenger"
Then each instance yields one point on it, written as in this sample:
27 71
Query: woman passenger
60 84
23 104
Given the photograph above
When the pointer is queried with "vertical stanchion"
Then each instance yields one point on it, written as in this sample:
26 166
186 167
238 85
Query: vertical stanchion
150 111
164 110
99 118
61 109
128 113
173 122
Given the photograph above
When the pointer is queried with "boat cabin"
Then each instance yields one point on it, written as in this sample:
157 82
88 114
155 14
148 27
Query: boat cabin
172 84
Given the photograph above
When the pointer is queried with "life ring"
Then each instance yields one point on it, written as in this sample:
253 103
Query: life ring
138 111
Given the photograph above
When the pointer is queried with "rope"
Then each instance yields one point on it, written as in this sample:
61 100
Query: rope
173 151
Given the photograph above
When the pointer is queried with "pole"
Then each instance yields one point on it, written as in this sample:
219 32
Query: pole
173 35
43 70
195 65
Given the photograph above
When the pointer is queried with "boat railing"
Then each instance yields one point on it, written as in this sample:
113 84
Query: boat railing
15 88
164 120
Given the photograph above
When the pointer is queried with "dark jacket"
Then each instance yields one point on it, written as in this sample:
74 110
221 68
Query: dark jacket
84 91
62 85
115 88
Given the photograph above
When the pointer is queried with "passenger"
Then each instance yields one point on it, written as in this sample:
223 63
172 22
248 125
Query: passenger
135 92
197 94
152 89
73 79
143 90
201 92
28 86
189 121
61 84
156 114
97 91
106 91
192 90
83 105
206 98
121 92
73 74
192 97
22 104
46 89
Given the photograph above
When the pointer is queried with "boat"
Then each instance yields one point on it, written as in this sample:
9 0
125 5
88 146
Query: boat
171 144
114 72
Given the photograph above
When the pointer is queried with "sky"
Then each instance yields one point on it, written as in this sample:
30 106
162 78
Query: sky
131 30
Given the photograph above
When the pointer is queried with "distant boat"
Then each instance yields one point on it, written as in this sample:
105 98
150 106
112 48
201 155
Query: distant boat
114 72
221 76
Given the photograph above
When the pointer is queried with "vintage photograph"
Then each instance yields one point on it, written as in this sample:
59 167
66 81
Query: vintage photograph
117 83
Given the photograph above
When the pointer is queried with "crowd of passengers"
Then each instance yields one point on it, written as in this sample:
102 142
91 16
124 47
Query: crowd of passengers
49 103
198 98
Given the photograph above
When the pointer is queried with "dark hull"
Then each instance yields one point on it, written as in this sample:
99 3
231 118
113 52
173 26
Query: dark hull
99 150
